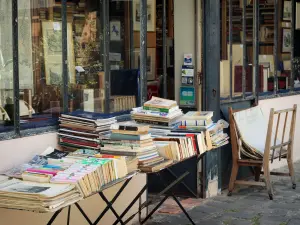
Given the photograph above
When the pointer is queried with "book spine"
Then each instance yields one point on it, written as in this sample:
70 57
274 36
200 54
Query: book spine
156 109
193 123
115 136
152 122
129 128
41 171
120 153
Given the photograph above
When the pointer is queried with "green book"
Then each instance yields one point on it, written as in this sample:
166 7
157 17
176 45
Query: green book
156 109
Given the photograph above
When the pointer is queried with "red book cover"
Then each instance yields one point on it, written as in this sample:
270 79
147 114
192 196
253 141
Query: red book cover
192 136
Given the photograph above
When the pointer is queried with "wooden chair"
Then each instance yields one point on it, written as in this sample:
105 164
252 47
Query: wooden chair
264 162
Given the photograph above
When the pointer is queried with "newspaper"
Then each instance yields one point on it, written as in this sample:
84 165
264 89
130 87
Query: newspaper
253 127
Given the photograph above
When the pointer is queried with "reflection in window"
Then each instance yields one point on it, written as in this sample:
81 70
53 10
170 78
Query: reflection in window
40 62
6 67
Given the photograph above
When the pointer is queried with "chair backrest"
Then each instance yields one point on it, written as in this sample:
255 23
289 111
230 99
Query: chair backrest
273 142
234 134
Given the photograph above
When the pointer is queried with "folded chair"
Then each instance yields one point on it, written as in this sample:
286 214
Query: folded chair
242 155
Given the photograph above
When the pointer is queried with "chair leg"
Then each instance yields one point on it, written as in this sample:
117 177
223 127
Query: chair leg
257 172
268 181
234 172
291 170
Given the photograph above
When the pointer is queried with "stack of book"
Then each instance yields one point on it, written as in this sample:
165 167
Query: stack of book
91 174
43 163
131 161
131 139
180 146
39 197
200 123
159 113
83 131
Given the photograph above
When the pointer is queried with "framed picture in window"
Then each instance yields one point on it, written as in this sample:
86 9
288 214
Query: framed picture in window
52 40
151 62
297 27
151 15
287 11
115 30
286 40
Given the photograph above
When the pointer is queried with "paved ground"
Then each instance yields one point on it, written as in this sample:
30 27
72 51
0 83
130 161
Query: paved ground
247 206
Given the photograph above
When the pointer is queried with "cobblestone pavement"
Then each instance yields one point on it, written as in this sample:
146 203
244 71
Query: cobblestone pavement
247 206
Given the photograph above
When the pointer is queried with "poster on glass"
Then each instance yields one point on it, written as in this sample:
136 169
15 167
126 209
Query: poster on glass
286 40
151 66
151 15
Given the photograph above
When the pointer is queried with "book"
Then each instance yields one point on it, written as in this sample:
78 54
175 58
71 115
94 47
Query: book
157 166
126 145
40 197
158 123
156 113
128 149
83 153
129 126
150 162
36 177
198 115
160 103
126 153
129 132
162 110
187 122
116 136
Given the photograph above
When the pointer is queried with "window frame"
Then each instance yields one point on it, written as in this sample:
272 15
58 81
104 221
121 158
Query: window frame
104 12
256 94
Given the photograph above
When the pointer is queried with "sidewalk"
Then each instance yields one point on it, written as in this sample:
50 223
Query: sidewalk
247 206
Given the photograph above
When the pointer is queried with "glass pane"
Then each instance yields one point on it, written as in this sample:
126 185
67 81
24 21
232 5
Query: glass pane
6 67
85 56
40 62
122 60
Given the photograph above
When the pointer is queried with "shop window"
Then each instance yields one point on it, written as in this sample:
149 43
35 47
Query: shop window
273 67
87 89
40 62
6 67
102 40
123 57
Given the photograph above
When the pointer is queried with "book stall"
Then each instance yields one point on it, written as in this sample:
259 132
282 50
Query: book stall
98 152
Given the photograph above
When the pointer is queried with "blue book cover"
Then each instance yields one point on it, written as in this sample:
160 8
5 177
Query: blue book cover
96 116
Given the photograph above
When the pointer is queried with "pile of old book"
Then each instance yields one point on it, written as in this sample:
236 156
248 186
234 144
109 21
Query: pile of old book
177 148
217 135
34 196
91 174
81 173
201 123
83 130
134 140
161 114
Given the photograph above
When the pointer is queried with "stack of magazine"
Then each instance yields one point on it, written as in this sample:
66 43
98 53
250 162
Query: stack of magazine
82 170
33 196
83 130
91 174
